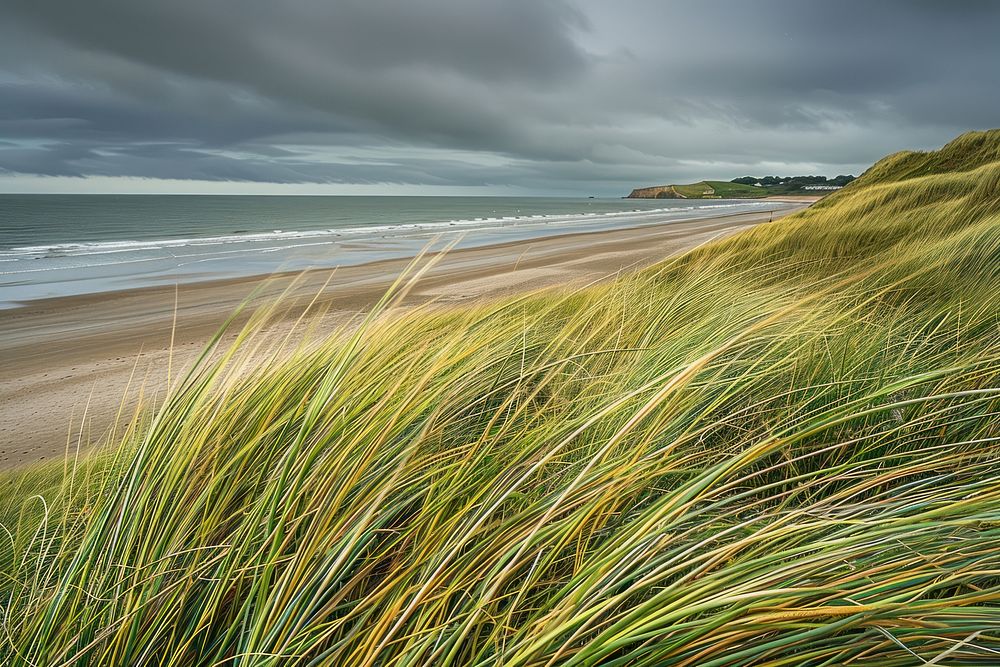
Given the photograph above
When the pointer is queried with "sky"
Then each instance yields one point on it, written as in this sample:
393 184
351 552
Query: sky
504 97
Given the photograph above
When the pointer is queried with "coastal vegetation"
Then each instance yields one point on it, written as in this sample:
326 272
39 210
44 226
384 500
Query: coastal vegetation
744 187
699 190
787 185
782 448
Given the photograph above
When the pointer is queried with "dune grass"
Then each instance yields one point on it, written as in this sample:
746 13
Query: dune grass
970 150
779 449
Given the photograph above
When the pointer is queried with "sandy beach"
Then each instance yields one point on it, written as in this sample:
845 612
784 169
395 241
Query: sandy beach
66 355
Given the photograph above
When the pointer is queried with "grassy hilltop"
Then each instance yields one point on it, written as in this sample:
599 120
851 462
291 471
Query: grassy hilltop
780 449
700 190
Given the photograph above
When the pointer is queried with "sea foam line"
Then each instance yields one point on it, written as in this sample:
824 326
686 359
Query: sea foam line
75 249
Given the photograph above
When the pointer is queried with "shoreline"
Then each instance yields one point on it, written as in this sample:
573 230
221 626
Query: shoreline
111 258
48 302
295 254
66 354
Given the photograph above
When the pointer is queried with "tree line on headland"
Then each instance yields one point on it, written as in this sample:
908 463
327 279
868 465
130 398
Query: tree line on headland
796 182
745 187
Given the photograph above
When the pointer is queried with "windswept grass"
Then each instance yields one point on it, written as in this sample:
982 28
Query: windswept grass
965 152
781 449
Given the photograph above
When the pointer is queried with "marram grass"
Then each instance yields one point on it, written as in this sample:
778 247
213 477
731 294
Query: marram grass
780 449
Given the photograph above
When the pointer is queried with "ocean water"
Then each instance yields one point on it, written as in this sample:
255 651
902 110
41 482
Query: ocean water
60 245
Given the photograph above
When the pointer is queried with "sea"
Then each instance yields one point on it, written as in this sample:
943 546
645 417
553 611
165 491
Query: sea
63 245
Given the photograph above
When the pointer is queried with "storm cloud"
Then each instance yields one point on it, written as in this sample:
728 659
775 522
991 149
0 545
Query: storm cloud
526 96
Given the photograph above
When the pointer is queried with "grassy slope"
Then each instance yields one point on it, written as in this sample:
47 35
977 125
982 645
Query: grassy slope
780 449
718 189
971 149
728 190
693 190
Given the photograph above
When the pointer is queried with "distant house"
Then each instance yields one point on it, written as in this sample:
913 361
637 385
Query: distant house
821 187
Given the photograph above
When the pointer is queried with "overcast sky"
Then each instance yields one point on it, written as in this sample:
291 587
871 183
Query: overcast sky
478 97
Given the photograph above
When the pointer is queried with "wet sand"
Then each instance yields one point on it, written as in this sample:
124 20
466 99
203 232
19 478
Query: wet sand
63 355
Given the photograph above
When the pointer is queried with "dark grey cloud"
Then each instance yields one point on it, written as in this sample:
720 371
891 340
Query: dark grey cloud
540 95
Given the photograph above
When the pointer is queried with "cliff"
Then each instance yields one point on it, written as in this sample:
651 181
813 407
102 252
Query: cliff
655 192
